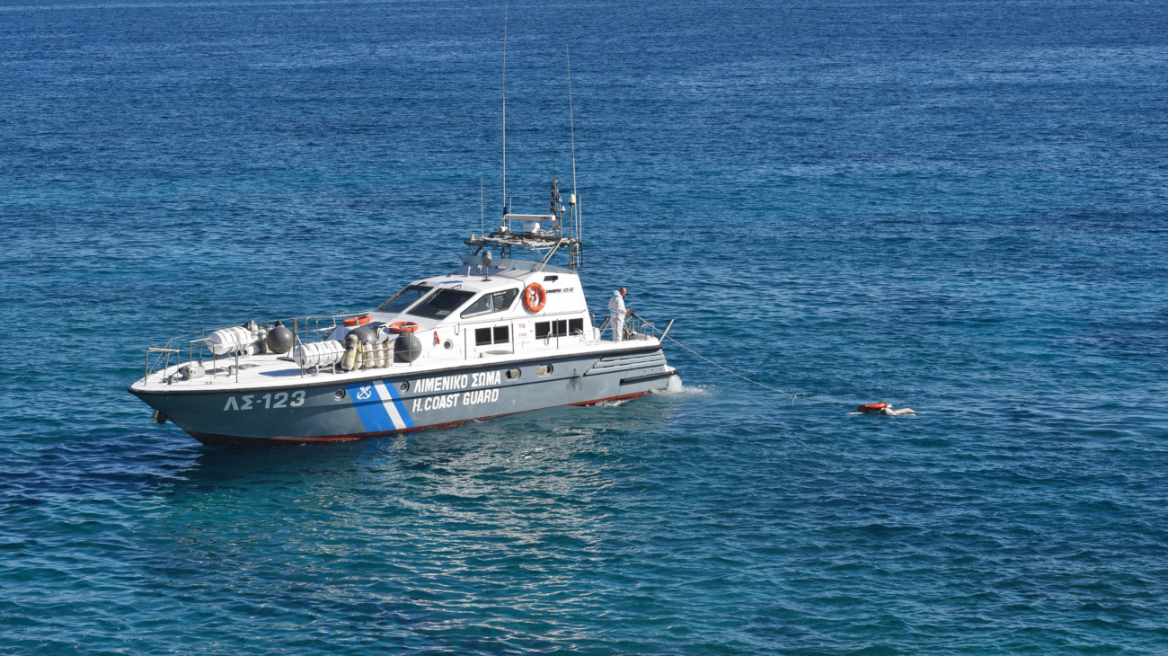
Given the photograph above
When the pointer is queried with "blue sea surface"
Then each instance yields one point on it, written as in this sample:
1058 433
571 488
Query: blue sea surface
959 206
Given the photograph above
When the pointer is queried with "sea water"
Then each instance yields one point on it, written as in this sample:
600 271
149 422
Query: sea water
952 205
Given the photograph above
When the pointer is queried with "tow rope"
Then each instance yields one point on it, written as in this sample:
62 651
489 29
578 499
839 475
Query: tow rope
869 408
749 380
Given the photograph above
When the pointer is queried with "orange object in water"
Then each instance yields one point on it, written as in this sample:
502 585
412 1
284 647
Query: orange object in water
872 407
353 321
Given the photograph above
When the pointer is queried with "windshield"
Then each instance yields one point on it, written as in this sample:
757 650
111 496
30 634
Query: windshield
442 303
404 298
496 302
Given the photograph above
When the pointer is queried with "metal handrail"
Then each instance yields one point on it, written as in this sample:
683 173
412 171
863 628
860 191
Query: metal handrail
306 329
634 325
314 328
161 353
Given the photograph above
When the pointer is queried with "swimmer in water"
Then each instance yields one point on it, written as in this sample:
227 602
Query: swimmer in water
883 409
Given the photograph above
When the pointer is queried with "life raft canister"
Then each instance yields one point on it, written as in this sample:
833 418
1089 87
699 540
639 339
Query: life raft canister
353 321
534 297
872 407
399 327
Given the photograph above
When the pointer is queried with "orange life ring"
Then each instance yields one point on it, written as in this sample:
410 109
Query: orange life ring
436 340
534 297
399 327
872 407
353 321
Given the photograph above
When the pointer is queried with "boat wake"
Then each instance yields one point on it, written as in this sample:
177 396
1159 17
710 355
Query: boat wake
677 388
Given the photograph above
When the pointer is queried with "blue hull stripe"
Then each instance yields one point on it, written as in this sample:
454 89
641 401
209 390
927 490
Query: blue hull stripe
401 407
379 407
370 408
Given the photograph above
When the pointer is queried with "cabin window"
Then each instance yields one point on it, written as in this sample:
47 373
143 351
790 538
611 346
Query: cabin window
482 336
442 303
481 306
545 329
502 334
503 300
493 302
512 374
496 335
543 369
404 299
575 326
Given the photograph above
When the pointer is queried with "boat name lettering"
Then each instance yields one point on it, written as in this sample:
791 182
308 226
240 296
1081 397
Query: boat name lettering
439 402
456 382
565 290
269 401
476 397
444 401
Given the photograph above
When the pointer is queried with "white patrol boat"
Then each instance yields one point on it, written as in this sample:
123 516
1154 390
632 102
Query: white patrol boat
496 336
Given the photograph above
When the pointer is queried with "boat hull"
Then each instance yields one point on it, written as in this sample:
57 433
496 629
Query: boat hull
399 400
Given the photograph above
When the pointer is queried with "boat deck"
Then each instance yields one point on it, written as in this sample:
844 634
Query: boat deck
270 371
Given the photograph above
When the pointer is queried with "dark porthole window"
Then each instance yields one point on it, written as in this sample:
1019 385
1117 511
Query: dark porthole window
502 334
512 374
496 335
544 369
545 329
482 336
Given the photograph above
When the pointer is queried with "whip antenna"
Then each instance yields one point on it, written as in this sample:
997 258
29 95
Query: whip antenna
572 128
505 8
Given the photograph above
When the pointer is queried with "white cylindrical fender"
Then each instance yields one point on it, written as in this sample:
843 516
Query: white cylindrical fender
230 340
319 354
352 347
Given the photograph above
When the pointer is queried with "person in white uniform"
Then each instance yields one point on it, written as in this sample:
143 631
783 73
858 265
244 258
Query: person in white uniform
617 314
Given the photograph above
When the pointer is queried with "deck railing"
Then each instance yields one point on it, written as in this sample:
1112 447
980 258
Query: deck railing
306 330
315 328
635 328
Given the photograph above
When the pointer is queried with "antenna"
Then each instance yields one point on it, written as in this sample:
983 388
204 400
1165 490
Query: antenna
505 203
482 209
572 127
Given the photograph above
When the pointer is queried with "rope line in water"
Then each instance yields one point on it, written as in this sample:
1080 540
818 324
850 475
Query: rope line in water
750 380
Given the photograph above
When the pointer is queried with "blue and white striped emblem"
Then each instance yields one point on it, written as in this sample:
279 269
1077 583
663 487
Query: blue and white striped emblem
379 407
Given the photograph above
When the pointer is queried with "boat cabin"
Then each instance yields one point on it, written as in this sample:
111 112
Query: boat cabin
505 309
